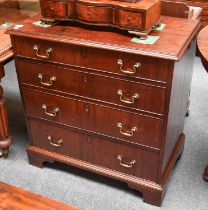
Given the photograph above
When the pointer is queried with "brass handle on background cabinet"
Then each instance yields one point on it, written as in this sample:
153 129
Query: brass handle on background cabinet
125 164
49 51
130 100
51 114
58 144
126 133
136 66
52 79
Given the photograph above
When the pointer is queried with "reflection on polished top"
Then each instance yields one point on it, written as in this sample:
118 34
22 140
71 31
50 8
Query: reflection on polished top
172 43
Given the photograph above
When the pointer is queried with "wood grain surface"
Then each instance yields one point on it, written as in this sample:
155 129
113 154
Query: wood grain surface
172 41
202 43
140 16
15 198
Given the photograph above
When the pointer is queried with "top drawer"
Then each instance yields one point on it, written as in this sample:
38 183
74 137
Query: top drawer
104 60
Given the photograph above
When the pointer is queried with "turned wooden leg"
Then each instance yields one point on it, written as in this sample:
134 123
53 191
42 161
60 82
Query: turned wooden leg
205 175
5 139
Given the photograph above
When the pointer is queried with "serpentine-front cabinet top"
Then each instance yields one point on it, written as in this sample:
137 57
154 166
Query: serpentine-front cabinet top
137 18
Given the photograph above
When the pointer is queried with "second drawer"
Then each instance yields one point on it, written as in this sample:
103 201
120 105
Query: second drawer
140 96
111 122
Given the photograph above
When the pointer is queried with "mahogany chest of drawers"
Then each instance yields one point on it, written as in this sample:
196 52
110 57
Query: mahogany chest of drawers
100 102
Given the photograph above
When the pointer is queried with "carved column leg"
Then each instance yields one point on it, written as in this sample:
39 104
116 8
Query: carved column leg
205 175
5 139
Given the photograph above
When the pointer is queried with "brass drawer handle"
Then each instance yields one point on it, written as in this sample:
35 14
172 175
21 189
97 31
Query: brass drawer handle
136 66
58 144
126 133
47 84
125 164
127 100
49 51
51 114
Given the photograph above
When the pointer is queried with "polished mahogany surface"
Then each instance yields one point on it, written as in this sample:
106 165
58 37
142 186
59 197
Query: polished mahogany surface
202 43
100 102
15 198
138 17
175 37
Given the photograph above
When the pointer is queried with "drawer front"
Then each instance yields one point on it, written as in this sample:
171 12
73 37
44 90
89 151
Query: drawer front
93 14
129 19
109 61
115 123
119 157
95 86
59 140
53 9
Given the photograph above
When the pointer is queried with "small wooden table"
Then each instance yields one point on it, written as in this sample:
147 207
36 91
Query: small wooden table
16 198
202 42
10 12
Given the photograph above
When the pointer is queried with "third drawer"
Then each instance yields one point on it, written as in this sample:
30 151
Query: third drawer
120 124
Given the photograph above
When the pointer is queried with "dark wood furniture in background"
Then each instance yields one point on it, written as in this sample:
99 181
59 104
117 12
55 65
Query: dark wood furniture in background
15 198
194 3
202 43
100 102
5 56
204 5
180 9
137 18
10 11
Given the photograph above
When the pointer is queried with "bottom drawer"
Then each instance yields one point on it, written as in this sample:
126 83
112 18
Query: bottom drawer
109 154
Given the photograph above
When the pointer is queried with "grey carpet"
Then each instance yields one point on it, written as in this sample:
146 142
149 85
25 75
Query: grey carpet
186 189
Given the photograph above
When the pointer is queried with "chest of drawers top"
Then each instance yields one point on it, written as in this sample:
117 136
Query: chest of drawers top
172 43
